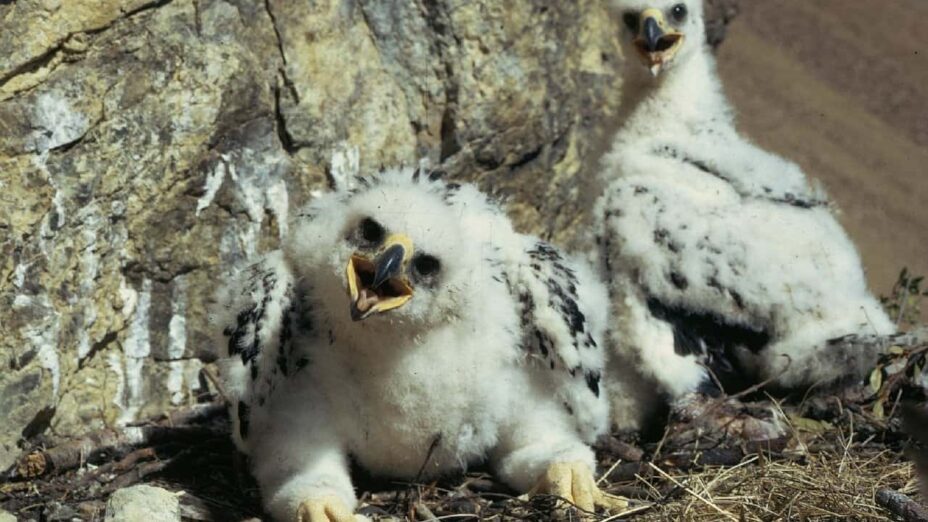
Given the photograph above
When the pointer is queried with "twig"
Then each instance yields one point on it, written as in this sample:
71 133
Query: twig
608 471
901 505
109 442
122 466
422 512
691 492
625 472
765 382
196 414
630 512
217 383
137 474
436 440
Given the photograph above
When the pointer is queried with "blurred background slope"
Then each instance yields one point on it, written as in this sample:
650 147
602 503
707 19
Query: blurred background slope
841 87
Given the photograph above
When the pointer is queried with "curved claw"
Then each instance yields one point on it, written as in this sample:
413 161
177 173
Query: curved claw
325 509
574 482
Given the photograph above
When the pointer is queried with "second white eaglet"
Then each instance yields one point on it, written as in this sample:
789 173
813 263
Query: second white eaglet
727 266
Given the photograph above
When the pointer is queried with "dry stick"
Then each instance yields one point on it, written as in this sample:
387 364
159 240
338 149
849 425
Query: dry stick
217 383
729 471
630 512
136 475
606 474
75 453
764 383
422 512
118 467
691 492
436 440
65 456
196 414
901 505
625 472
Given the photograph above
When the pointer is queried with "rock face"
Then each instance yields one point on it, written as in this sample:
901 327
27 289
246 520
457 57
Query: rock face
148 146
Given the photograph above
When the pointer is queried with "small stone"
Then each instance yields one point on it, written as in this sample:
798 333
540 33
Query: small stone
143 503
57 512
6 516
8 455
51 5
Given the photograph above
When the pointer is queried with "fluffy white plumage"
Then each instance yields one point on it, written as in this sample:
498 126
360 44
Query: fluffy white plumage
497 355
719 254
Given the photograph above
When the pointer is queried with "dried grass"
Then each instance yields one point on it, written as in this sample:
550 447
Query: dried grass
838 480
766 490
838 452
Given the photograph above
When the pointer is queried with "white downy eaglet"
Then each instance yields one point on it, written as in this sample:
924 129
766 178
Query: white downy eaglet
406 324
719 254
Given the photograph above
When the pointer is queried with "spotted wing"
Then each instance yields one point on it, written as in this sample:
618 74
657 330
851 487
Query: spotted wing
563 311
257 313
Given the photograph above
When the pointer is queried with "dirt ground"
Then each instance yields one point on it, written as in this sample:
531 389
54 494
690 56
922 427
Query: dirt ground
841 87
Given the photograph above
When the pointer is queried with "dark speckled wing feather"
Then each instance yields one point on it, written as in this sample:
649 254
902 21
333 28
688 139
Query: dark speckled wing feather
258 314
557 331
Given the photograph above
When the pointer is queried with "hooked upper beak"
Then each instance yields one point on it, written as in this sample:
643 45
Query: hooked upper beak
655 43
379 285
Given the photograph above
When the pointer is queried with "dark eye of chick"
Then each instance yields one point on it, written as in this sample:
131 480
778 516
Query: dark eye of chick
426 265
630 19
371 231
678 13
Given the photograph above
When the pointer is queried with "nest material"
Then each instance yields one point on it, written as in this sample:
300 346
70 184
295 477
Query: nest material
854 454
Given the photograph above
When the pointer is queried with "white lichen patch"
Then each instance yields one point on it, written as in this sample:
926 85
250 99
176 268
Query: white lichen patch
129 297
345 165
177 340
278 202
192 368
19 274
260 188
91 221
249 193
56 122
196 110
136 349
211 186
115 362
57 218
42 334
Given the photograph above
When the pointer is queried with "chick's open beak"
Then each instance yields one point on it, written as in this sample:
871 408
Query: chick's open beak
379 285
656 44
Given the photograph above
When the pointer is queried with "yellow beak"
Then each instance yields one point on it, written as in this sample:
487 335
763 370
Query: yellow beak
378 285
656 43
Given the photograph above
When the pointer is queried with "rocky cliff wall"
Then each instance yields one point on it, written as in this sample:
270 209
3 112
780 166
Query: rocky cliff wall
147 146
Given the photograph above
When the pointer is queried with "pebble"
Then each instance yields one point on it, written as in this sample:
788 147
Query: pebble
143 504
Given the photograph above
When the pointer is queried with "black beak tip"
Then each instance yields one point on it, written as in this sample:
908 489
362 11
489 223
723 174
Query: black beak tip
388 264
652 34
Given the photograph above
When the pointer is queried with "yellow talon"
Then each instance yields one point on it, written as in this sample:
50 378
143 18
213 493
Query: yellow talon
325 509
574 482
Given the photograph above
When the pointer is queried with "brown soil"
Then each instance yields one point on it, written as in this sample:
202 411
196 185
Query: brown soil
841 87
